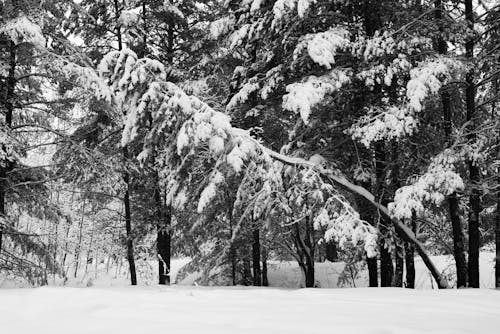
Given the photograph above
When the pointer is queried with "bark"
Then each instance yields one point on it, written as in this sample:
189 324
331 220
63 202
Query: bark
497 221
126 179
79 245
128 225
9 110
265 281
474 173
386 266
372 272
398 272
232 248
304 246
497 232
257 277
410 258
331 251
163 239
453 204
89 251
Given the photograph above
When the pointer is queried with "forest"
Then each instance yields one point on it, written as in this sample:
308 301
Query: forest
240 134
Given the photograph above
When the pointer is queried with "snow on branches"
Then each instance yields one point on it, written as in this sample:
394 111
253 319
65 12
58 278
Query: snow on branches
440 180
22 30
322 47
395 121
283 7
428 78
303 96
201 148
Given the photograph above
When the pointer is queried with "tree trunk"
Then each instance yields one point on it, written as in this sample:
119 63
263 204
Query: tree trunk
366 215
372 271
79 246
257 278
474 173
331 251
309 272
128 225
386 266
410 258
9 111
398 273
126 177
497 230
265 281
453 204
163 236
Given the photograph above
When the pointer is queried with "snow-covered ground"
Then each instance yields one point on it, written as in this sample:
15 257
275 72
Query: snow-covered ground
181 309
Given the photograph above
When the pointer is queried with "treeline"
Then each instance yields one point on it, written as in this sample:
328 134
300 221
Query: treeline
235 132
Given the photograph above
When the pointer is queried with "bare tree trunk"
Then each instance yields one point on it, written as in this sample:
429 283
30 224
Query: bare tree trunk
497 222
331 251
497 231
163 239
89 250
79 246
257 278
410 257
386 266
453 205
128 226
265 281
474 173
9 110
126 178
398 273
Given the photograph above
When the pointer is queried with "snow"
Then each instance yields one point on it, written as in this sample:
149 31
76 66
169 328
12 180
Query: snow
322 47
303 96
22 30
247 310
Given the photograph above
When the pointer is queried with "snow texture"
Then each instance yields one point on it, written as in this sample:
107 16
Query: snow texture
22 30
303 96
247 310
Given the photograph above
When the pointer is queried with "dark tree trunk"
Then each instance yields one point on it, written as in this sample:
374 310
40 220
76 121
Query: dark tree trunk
305 252
453 205
386 266
398 273
9 111
372 271
247 271
458 241
265 281
163 237
126 178
257 278
331 251
474 173
497 222
309 275
410 258
497 232
79 245
128 224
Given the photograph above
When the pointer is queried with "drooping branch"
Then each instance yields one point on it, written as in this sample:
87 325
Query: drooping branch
404 231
